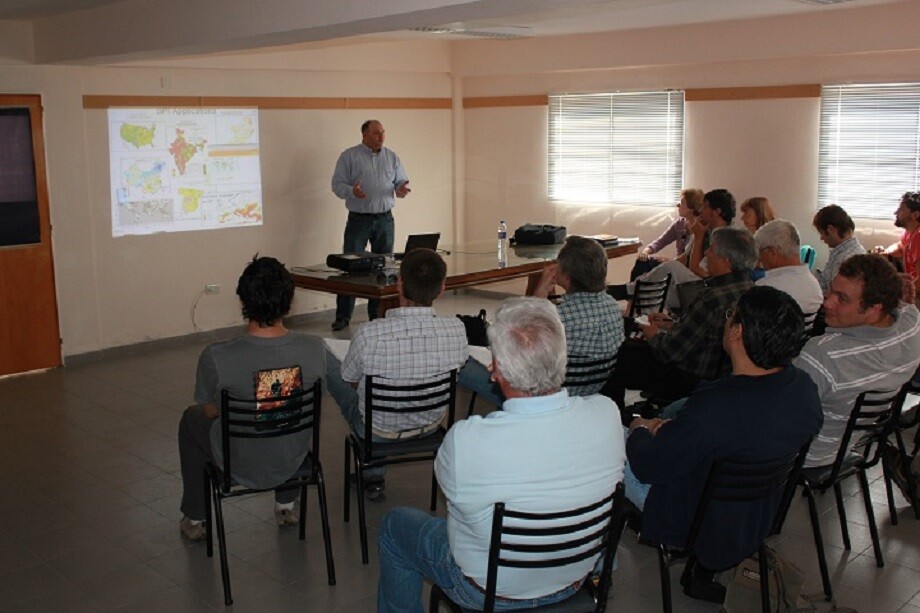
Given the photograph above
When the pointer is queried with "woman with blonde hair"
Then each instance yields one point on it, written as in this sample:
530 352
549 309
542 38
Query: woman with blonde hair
688 209
755 212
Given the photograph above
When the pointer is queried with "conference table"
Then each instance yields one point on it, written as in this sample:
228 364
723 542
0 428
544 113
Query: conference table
469 265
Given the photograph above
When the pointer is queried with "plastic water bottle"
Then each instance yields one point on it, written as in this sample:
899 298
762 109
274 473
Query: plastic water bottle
502 244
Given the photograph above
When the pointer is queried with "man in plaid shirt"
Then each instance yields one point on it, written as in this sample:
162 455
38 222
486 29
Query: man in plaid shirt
675 356
410 344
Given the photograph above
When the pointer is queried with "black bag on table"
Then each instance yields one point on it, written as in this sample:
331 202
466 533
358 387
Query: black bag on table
476 326
537 234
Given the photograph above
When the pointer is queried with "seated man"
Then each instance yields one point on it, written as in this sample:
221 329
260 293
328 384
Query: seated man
592 319
674 357
779 247
410 343
523 456
265 290
717 211
871 343
835 228
765 410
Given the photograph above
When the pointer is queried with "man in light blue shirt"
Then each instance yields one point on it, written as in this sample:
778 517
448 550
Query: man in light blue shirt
545 451
368 177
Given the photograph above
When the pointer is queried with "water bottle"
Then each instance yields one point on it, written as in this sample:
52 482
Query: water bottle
502 244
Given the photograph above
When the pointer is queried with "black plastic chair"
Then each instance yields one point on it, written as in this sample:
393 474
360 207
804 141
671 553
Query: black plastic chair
512 529
737 481
403 398
871 416
587 375
649 296
240 419
583 376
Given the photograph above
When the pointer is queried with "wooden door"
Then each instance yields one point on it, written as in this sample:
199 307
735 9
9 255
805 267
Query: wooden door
29 334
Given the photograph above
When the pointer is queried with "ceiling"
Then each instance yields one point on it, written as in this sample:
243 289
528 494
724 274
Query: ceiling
319 20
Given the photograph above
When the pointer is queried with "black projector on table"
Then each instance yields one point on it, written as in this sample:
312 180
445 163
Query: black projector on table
361 261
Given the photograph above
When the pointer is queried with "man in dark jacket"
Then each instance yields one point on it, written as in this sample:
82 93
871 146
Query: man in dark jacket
765 410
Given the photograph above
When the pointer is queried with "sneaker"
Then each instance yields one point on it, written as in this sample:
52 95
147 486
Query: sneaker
193 530
340 323
373 486
287 518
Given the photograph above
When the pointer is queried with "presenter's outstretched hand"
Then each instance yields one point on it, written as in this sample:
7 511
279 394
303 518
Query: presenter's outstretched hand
403 190
357 191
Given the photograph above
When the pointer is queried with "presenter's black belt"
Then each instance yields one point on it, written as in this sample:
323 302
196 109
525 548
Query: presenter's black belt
371 215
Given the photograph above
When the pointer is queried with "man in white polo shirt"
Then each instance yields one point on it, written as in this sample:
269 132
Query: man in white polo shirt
778 244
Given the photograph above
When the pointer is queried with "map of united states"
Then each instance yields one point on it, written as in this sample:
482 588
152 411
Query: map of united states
137 135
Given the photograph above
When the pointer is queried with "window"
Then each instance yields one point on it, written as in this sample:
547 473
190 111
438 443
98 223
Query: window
870 147
617 148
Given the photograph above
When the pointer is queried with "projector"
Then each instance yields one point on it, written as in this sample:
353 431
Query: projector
362 261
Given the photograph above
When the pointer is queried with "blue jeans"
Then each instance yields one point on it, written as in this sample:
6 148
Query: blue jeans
477 378
359 230
346 397
636 491
413 546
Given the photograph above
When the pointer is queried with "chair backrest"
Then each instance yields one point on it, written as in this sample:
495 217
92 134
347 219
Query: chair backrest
732 480
871 421
807 254
406 397
248 418
586 375
548 540
649 296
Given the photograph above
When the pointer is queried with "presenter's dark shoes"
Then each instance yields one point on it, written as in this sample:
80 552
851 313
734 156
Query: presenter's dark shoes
700 584
374 487
340 323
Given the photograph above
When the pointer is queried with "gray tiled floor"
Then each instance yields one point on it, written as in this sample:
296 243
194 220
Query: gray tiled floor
89 511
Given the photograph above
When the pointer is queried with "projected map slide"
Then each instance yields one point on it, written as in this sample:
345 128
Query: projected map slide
177 169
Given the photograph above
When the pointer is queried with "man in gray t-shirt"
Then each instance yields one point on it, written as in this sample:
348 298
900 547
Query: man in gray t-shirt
268 357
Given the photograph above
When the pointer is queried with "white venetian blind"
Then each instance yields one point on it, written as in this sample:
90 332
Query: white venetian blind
624 148
870 147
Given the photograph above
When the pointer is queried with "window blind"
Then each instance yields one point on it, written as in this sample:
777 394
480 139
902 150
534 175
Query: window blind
622 148
869 151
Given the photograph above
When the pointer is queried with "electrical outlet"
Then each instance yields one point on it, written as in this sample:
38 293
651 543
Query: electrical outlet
212 288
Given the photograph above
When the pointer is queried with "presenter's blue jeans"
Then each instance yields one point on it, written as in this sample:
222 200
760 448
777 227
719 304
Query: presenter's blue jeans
360 229
413 546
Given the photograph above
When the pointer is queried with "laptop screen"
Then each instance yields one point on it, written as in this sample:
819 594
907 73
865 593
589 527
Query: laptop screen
422 241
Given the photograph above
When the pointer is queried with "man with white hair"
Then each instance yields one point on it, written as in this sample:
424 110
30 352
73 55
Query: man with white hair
778 245
522 456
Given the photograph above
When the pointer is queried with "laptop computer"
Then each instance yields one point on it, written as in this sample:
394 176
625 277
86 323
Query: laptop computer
419 241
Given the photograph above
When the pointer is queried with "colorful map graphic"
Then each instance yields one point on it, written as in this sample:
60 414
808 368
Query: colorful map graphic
137 135
147 178
199 169
191 199
183 151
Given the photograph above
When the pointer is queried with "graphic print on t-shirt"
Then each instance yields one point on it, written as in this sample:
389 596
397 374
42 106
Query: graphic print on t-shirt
276 383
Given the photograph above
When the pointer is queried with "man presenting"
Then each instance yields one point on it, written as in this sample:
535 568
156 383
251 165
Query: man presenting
545 451
367 177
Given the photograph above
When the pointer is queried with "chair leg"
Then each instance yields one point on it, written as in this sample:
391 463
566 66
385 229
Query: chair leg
819 543
764 579
359 496
842 516
324 517
472 405
303 512
870 515
222 547
209 536
434 490
346 503
665 580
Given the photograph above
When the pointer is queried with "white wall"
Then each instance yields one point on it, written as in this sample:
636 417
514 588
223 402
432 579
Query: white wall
117 291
